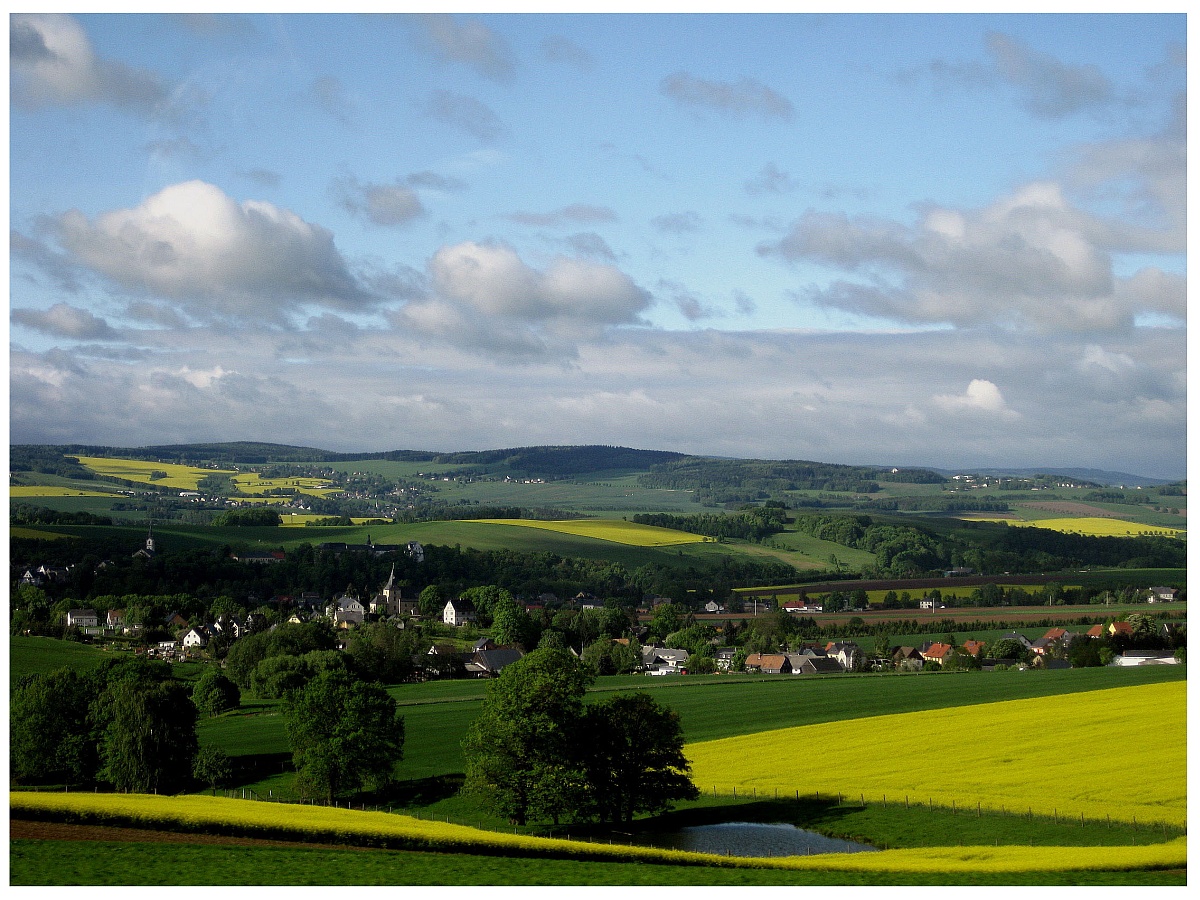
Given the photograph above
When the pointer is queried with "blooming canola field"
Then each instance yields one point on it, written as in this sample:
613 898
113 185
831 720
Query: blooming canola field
1090 754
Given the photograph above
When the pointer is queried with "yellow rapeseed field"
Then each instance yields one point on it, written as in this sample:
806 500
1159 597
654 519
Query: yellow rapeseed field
1119 753
250 483
205 813
1092 526
183 477
616 530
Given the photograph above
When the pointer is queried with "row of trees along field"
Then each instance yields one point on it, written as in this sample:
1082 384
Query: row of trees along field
131 726
535 751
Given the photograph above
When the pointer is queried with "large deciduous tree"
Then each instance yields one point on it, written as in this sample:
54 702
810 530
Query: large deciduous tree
528 731
344 734
214 693
149 741
633 758
49 736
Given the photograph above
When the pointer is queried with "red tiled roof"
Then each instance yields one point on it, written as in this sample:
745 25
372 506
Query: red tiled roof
938 651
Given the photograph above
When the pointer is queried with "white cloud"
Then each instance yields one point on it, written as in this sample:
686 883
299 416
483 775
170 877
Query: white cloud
1050 88
471 43
53 62
467 114
64 320
1030 260
738 99
380 204
830 397
485 297
981 396
203 378
192 244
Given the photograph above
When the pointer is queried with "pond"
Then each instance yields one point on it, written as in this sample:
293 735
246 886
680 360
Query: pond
753 839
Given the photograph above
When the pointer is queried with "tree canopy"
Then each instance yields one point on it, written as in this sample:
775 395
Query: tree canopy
536 753
344 733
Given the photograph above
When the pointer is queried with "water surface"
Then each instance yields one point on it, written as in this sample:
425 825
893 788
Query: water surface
753 839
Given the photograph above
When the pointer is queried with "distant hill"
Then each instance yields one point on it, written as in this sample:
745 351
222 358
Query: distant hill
1095 476
668 469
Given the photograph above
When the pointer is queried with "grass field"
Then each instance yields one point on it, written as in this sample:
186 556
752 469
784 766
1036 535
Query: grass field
616 530
177 476
51 863
1049 754
21 491
39 655
34 534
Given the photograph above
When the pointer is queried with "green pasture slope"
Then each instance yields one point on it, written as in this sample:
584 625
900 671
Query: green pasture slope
39 655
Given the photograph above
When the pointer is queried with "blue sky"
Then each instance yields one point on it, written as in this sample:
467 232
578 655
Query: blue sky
948 240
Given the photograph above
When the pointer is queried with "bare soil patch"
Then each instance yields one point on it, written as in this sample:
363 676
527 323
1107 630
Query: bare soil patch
27 829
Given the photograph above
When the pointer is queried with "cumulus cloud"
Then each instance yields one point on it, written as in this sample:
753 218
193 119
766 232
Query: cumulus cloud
470 43
330 96
192 244
1147 176
575 213
770 180
467 114
1046 87
559 49
64 320
435 181
1030 260
588 243
738 99
485 295
678 223
981 396
52 62
1050 89
379 204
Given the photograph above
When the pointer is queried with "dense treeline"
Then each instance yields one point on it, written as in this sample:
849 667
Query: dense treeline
717 481
907 551
210 572
729 480
28 514
128 724
935 504
45 459
752 524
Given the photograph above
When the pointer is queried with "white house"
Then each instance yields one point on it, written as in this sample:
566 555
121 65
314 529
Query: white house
196 637
346 611
458 612
82 618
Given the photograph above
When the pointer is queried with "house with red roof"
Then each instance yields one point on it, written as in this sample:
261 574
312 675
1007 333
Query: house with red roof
937 652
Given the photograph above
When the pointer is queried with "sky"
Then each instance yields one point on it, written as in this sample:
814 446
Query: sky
893 239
